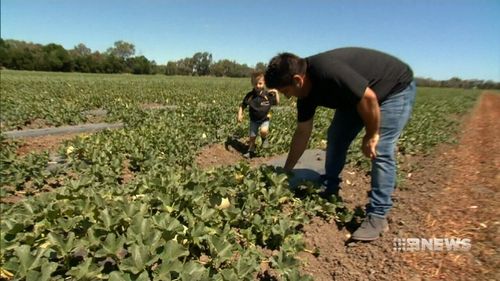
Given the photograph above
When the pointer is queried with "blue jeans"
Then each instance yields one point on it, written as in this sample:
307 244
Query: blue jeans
253 130
394 114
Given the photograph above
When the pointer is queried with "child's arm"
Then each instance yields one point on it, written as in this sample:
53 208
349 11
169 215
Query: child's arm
240 114
242 107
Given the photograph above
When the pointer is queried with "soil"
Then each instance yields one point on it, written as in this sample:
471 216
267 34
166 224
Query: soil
452 193
44 143
228 153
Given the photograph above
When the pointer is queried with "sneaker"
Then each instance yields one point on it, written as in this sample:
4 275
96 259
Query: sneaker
265 143
371 228
249 154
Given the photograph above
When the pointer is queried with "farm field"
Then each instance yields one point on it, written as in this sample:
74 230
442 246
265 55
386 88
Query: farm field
144 202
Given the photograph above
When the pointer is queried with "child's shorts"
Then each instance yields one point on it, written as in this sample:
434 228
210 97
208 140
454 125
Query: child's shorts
255 125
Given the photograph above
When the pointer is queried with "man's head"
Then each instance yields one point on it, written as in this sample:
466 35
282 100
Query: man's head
258 80
287 72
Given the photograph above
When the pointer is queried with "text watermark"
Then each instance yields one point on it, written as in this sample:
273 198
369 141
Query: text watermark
431 244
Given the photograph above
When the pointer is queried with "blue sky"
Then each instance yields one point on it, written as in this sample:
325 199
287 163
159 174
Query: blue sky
440 39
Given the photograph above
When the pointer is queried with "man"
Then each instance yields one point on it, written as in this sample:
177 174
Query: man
367 88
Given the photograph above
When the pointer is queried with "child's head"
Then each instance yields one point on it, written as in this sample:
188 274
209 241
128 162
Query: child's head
258 80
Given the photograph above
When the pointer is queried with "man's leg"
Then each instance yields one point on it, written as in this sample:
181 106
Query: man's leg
394 114
345 125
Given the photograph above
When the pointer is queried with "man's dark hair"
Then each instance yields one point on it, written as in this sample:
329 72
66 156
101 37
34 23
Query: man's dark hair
282 68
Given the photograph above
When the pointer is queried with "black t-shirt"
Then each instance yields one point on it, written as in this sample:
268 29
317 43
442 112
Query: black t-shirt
340 77
259 104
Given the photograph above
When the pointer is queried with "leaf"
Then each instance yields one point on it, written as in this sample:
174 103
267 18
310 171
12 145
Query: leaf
138 260
143 276
139 228
85 270
111 246
166 223
229 274
92 238
26 260
283 262
106 219
33 275
246 267
207 213
192 271
29 207
173 250
47 269
163 273
119 276
63 245
223 249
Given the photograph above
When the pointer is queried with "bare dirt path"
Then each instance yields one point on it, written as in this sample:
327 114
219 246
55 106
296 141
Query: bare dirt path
468 204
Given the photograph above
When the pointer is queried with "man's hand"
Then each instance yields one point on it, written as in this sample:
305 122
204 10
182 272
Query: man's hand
369 145
240 118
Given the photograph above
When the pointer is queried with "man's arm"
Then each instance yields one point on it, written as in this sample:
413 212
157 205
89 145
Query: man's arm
277 96
299 143
369 111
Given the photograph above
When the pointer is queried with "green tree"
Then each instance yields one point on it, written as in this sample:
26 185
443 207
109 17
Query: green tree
185 67
81 50
171 68
201 63
140 65
114 64
56 58
122 49
229 68
260 66
5 56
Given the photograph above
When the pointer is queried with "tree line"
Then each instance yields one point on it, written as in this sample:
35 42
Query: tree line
456 82
120 58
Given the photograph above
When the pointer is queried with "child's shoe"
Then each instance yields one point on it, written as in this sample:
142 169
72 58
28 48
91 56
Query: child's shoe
249 154
265 143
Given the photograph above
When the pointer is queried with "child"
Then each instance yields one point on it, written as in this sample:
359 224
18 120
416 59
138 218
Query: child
259 101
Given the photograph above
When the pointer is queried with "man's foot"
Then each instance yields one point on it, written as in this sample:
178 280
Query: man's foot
265 143
371 228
